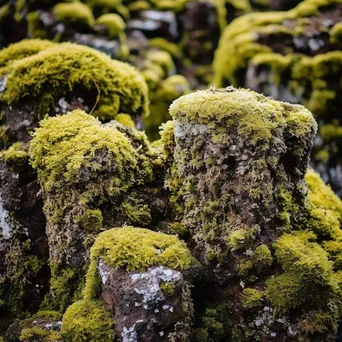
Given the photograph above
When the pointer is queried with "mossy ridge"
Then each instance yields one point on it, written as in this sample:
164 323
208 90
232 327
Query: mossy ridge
22 49
135 249
256 115
242 41
43 77
87 320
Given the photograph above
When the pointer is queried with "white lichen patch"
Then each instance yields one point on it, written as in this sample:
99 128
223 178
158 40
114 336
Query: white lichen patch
5 221
129 334
103 271
148 285
188 129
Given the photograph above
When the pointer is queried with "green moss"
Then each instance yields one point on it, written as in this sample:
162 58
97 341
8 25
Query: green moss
42 79
165 45
135 249
125 119
37 334
136 212
34 26
216 324
167 288
331 132
91 220
87 320
64 145
167 138
4 12
240 238
113 22
308 273
169 5
231 106
24 48
252 298
163 59
16 156
336 34
74 14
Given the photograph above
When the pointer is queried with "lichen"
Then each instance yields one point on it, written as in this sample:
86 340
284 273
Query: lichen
87 320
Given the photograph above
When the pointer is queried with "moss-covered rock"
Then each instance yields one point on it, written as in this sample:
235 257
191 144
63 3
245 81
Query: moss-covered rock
238 154
292 56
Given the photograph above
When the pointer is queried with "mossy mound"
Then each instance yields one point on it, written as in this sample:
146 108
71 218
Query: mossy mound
134 249
87 320
58 71
65 145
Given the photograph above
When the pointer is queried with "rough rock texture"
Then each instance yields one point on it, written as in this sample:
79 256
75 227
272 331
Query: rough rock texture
292 56
238 187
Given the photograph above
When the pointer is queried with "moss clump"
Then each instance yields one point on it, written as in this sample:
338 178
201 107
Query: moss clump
44 78
65 145
308 276
125 119
24 48
113 22
16 156
336 34
75 14
252 298
135 249
87 320
232 105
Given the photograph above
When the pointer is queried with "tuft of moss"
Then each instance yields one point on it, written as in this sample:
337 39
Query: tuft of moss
252 298
22 49
65 145
87 320
16 156
74 14
125 119
42 79
135 249
113 22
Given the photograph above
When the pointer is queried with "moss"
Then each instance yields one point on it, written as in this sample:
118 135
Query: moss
87 320
308 273
167 138
113 22
169 5
24 48
37 334
136 213
64 145
216 324
163 59
165 45
74 14
135 249
336 34
331 132
91 220
16 156
232 105
125 119
34 26
44 78
252 298
167 288
4 12
240 238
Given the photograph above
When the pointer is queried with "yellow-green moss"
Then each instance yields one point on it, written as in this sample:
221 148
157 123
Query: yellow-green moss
169 5
16 156
91 220
34 26
125 119
336 34
135 249
64 145
308 273
113 22
165 45
42 79
22 49
161 58
87 320
331 132
251 298
256 115
75 14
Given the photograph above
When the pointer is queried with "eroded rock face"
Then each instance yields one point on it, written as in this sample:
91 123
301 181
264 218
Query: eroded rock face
145 305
